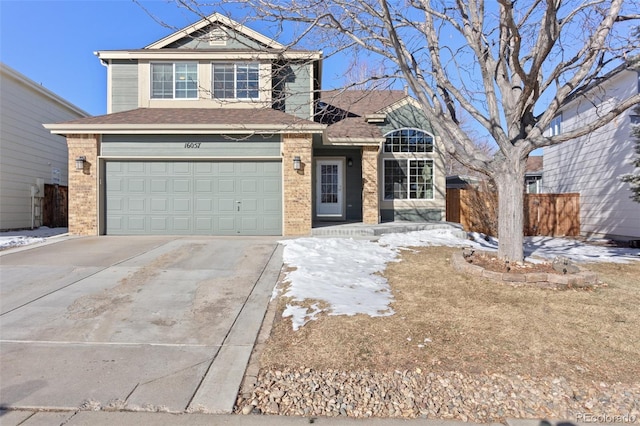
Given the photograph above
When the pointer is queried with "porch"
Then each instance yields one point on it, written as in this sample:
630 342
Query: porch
359 229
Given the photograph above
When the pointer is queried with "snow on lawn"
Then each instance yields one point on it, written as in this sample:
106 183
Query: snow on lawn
339 272
340 276
11 239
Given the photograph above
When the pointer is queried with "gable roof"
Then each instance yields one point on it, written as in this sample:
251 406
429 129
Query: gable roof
348 110
189 121
362 102
215 18
534 164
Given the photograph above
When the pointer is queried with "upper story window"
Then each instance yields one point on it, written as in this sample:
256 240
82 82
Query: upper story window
174 80
236 80
408 140
555 128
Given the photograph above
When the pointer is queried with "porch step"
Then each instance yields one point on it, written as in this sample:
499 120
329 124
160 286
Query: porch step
364 230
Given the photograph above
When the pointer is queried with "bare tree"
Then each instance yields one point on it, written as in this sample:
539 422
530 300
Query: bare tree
507 65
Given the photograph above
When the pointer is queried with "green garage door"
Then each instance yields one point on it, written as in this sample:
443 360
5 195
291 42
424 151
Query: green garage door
193 198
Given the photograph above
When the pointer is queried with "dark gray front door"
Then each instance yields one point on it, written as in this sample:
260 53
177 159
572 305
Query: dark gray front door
193 198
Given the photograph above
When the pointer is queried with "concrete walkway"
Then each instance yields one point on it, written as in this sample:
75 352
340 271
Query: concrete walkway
359 229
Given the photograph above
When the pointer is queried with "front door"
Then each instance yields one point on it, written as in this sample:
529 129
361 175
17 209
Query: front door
329 188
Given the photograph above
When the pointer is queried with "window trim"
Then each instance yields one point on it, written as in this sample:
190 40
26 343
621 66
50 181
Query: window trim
407 169
555 126
235 80
173 81
429 147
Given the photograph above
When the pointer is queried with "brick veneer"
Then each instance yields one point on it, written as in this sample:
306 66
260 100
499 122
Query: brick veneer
370 196
83 185
297 184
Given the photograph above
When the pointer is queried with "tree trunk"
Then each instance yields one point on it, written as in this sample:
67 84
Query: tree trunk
510 187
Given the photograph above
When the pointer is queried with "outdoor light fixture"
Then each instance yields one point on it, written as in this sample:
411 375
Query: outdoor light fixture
297 164
80 162
349 162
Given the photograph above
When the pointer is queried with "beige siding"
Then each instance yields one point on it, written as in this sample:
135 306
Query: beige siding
27 150
592 165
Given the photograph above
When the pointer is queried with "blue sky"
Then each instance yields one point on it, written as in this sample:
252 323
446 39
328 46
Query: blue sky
52 42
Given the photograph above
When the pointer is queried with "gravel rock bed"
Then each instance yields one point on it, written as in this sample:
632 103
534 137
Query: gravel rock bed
449 395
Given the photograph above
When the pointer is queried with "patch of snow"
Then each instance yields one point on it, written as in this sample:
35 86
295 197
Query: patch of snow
552 247
12 239
300 315
345 273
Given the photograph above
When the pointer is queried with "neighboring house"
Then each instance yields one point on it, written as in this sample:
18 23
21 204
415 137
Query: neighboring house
30 156
533 174
219 130
592 165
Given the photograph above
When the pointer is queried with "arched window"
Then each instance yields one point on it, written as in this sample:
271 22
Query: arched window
408 140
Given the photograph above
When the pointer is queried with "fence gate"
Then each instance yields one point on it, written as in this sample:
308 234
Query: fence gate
56 204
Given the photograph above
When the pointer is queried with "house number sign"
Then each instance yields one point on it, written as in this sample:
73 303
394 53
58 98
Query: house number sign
192 145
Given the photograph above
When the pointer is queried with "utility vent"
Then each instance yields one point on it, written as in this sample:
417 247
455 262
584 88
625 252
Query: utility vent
375 118
218 37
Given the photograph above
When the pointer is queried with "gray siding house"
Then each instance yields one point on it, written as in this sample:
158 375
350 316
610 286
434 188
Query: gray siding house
219 130
592 165
30 156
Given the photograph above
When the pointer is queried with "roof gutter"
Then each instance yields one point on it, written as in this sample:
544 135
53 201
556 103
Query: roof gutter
186 129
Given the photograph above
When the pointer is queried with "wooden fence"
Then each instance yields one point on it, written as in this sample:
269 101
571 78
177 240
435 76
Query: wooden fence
56 206
544 214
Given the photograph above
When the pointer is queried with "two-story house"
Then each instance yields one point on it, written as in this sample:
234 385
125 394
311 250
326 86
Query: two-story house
219 130
593 164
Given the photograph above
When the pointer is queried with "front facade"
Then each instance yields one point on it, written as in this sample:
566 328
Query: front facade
593 164
218 130
30 156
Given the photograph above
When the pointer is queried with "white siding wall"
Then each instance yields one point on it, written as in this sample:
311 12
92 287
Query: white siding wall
592 165
27 150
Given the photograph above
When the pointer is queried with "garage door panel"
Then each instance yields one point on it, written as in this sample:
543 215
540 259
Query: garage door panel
272 205
182 223
182 185
136 204
135 223
249 186
135 185
227 224
159 223
271 186
226 185
202 198
158 185
158 205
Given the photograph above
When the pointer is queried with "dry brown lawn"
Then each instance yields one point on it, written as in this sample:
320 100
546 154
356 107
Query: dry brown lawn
477 326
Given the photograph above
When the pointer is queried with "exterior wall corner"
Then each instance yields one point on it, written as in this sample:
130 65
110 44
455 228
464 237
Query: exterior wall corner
297 184
83 185
370 187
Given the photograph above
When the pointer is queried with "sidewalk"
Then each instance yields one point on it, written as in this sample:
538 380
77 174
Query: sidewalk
103 418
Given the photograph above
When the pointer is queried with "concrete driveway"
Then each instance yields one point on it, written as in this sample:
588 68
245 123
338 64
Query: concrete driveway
150 323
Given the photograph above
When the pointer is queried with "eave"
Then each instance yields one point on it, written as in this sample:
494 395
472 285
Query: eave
182 54
186 129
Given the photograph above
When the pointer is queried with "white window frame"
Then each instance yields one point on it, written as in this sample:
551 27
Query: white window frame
555 127
235 80
408 177
173 81
388 148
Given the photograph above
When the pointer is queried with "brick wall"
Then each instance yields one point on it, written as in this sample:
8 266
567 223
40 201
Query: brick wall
297 184
370 196
83 185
